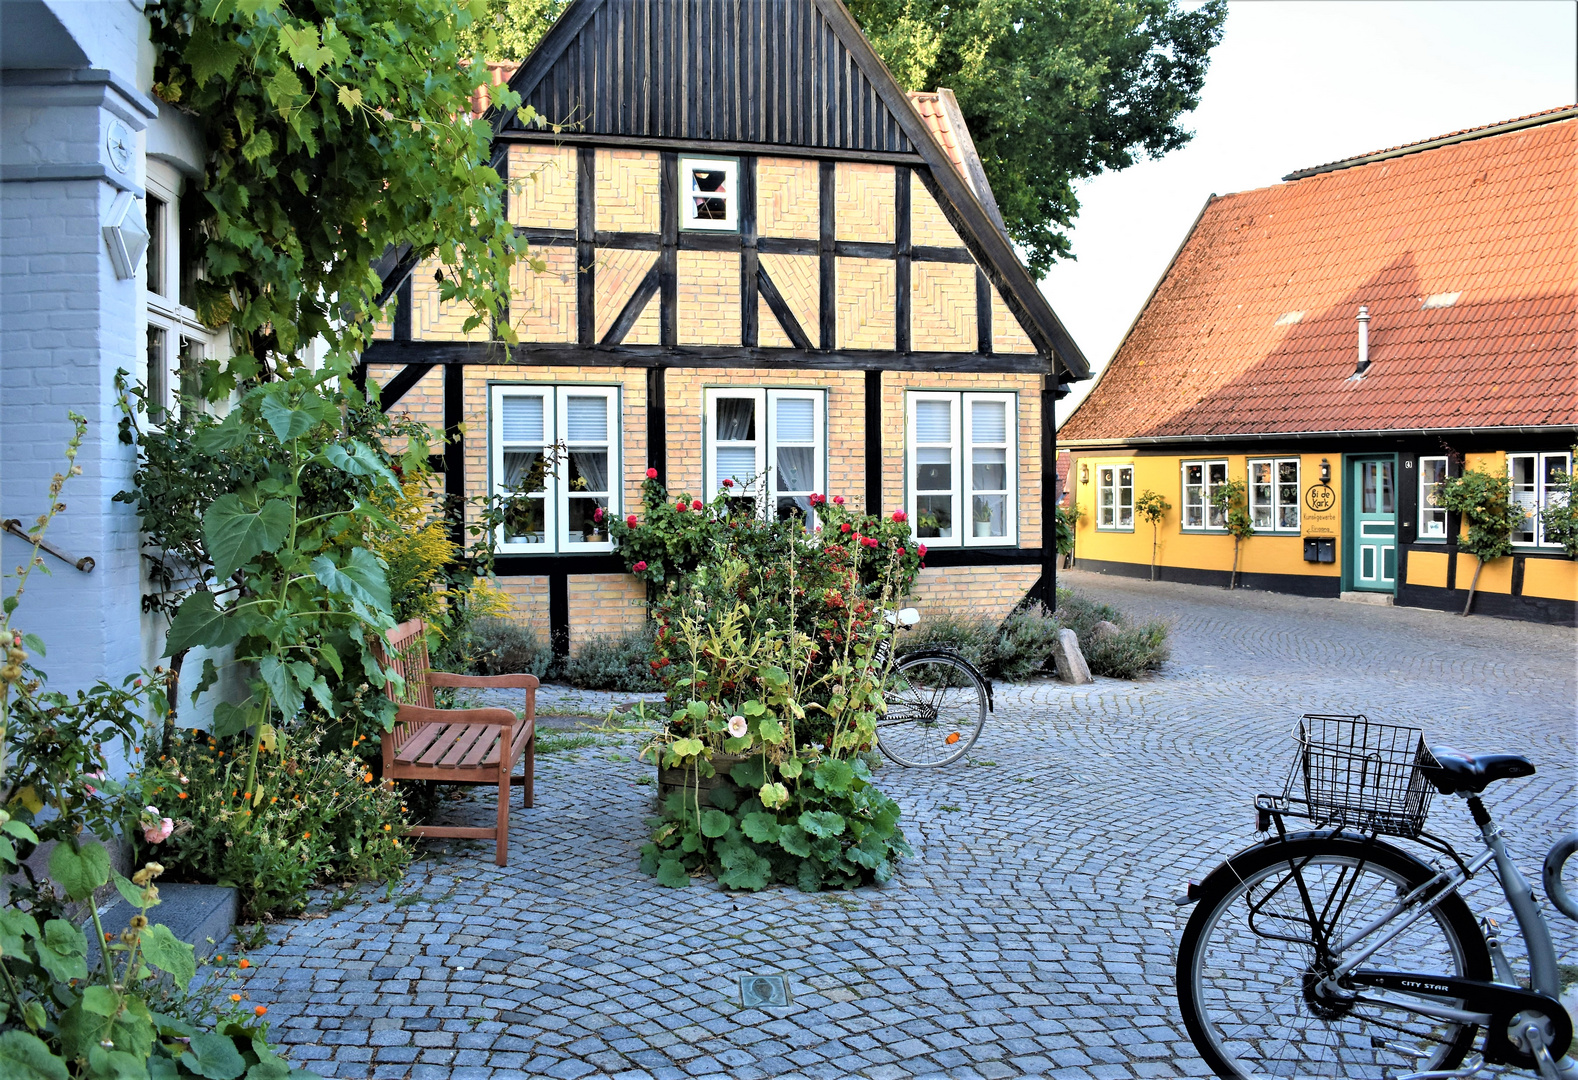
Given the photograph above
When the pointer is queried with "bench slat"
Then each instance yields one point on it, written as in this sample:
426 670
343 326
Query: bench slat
487 740
418 741
436 753
470 735
518 739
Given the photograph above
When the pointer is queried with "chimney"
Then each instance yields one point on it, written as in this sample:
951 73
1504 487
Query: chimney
1364 341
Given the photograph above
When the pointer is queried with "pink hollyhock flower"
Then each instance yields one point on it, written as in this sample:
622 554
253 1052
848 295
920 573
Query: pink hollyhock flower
737 726
641 564
651 474
631 521
900 516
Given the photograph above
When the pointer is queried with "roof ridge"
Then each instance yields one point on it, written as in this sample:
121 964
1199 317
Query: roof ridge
1500 127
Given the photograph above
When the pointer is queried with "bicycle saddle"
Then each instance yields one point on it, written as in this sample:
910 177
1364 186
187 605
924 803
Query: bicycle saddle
1459 772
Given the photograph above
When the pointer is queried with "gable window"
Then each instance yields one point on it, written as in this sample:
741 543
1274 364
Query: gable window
771 447
1274 495
709 193
1200 479
1432 518
1535 487
555 463
1115 497
962 467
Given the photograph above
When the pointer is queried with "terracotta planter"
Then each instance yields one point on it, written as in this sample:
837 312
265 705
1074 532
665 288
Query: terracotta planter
672 780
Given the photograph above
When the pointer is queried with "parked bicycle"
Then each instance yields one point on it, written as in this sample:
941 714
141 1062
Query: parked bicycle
1329 952
937 703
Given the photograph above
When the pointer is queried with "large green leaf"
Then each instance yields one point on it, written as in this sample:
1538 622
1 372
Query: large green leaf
165 951
101 1001
822 823
23 1056
285 420
15 928
79 870
236 534
834 776
115 1065
358 460
763 828
744 869
199 621
749 773
232 719
714 823
62 950
130 892
282 684
671 872
214 1056
792 838
361 578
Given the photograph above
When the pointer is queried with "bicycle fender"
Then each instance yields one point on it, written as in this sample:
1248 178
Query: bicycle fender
1227 875
932 653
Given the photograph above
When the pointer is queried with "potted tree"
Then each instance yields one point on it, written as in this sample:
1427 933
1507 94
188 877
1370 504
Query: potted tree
1152 507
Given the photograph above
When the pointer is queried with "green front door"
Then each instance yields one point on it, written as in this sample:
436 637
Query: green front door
1372 486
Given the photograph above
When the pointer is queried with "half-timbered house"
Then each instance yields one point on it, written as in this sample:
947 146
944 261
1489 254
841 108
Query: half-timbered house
764 260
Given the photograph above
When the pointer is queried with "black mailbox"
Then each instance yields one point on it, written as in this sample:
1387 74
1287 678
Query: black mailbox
1320 549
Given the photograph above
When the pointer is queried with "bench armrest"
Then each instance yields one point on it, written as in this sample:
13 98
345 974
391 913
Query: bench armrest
483 682
417 715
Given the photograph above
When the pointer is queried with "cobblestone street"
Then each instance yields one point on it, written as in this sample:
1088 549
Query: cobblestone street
1033 932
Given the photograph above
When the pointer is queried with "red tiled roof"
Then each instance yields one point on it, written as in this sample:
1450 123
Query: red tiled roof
1419 144
930 110
1464 255
500 72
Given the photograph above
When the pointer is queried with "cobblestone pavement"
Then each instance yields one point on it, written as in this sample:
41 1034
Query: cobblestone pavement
1033 933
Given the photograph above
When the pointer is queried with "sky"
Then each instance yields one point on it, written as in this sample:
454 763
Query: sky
1296 83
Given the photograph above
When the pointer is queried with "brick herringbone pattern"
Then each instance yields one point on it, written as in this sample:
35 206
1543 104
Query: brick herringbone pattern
433 319
1007 335
864 205
648 329
799 282
865 303
424 402
542 186
927 224
709 298
619 271
942 307
627 191
769 334
786 198
542 306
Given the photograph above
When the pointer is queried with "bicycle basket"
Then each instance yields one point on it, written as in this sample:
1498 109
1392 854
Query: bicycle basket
1363 775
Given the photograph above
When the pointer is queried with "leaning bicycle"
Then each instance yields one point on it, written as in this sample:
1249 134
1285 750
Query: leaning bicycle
936 704
1328 952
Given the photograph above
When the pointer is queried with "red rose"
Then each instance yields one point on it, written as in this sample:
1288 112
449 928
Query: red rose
844 528
631 521
597 515
680 506
921 548
728 483
651 474
641 564
818 500
900 516
695 504
901 552
868 541
838 500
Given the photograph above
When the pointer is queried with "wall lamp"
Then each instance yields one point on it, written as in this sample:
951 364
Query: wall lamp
1084 473
1325 471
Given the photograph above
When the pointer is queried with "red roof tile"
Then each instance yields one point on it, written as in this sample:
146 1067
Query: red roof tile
1216 350
930 109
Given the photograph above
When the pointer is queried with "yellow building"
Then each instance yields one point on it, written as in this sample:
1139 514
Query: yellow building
1340 343
773 268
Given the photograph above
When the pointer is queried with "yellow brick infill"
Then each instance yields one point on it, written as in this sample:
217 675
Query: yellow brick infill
424 402
798 280
542 305
867 307
627 191
864 204
619 272
605 605
528 602
709 298
434 319
787 193
542 186
1028 387
971 592
928 226
1007 335
942 307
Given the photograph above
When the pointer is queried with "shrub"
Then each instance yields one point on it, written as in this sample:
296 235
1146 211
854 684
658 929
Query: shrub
610 662
974 636
1080 613
326 819
1025 641
1125 654
505 647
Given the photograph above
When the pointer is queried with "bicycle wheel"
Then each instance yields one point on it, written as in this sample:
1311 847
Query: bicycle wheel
936 708
1253 955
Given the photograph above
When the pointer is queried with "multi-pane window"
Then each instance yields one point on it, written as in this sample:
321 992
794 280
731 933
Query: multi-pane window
1200 479
175 340
962 465
709 193
555 465
1115 497
1535 486
1274 495
770 446
1432 518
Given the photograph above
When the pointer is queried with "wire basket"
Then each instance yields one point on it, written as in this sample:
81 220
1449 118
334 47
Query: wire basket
1362 775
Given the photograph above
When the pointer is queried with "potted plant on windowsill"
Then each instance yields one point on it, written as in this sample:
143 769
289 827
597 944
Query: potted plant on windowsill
983 520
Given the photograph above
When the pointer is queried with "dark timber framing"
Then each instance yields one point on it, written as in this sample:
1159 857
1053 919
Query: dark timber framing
827 193
749 308
585 246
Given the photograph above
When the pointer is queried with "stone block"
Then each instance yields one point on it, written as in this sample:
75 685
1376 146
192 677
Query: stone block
1070 662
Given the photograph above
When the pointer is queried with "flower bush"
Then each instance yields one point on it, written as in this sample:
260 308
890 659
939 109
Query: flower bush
771 649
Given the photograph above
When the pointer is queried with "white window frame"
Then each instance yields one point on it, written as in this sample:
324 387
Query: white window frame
960 449
556 495
731 194
182 329
1537 496
1277 503
1431 516
1111 477
1207 484
763 486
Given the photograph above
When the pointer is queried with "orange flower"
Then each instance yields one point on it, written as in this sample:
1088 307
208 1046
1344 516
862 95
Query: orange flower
243 963
306 836
273 799
181 796
367 778
951 739
235 997
260 1010
108 936
387 828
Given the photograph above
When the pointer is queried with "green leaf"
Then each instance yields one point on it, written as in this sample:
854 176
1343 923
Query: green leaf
763 828
15 928
259 145
749 773
329 656
714 823
25 1057
130 892
822 823
773 675
350 98
358 460
723 797
792 768
773 795
283 89
276 676
223 437
172 1025
62 948
286 421
79 870
165 951
214 1056
362 578
101 1001
834 776
744 869
671 872
199 621
754 708
235 534
114 1065
772 732
209 53
34 642
697 710
232 719
20 830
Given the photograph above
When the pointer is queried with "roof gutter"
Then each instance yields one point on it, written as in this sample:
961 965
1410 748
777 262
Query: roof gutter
1267 436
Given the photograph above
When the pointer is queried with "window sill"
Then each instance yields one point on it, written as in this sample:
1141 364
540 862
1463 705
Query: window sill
1114 529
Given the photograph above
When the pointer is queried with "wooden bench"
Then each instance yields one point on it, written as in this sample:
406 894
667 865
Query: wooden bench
456 746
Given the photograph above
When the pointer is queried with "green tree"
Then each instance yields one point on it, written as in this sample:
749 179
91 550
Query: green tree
1231 501
1485 501
515 25
1153 508
1053 91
